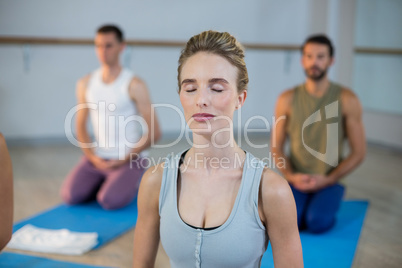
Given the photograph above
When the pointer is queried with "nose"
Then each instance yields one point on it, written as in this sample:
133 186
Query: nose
202 98
316 60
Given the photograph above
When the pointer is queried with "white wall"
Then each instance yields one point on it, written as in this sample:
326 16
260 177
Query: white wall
35 101
378 23
36 94
377 78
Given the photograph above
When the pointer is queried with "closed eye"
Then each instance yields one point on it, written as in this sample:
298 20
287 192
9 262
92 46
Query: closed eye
190 90
217 90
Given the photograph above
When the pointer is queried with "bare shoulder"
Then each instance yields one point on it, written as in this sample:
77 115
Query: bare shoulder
276 197
152 179
4 154
138 90
150 187
350 101
83 81
284 101
2 140
286 96
348 94
81 86
137 82
274 187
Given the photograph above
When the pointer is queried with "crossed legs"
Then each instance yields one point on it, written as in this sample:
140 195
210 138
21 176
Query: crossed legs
316 212
113 189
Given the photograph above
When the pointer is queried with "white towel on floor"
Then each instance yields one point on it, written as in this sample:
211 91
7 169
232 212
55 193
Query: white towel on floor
60 241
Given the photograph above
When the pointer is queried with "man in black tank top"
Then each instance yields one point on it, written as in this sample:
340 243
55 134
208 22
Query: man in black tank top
316 117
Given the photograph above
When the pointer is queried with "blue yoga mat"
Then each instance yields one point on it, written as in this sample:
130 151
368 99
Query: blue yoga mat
88 217
335 248
14 260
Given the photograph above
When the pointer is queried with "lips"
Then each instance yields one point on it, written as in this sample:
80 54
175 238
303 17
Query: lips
202 117
315 69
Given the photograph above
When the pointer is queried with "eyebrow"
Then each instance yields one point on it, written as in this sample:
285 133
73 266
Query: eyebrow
318 53
212 80
188 81
218 80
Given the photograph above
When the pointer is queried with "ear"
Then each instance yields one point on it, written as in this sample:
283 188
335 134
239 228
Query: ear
122 46
302 61
241 98
332 61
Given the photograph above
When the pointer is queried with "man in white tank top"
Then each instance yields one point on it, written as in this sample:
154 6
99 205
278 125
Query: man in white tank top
119 107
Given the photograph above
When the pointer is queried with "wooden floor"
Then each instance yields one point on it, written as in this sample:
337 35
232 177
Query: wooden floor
40 170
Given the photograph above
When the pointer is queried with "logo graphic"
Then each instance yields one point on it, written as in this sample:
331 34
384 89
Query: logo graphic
331 151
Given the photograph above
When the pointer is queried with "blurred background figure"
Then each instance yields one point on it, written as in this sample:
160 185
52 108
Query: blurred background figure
106 170
317 116
6 194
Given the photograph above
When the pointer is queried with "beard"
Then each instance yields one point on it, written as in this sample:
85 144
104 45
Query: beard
316 76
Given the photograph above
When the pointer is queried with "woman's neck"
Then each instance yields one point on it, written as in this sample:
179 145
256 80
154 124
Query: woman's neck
214 152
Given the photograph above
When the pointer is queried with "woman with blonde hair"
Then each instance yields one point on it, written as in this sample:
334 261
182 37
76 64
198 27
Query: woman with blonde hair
214 205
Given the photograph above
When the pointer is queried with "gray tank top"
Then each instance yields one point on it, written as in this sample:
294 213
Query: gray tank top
239 242
316 130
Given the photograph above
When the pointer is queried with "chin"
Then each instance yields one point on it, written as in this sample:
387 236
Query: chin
203 130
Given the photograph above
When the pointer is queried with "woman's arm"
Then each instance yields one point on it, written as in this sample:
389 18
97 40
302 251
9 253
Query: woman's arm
6 194
278 211
146 234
